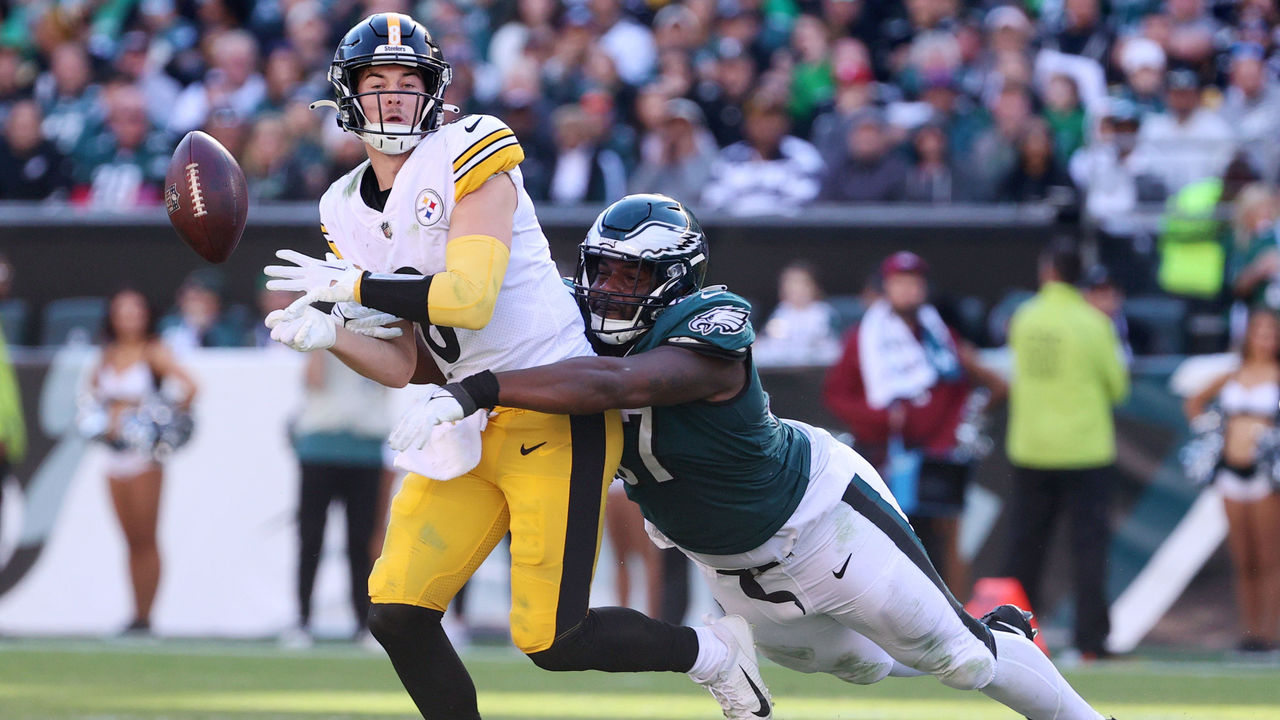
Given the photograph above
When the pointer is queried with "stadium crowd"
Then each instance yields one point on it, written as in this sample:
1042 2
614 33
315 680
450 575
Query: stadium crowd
745 106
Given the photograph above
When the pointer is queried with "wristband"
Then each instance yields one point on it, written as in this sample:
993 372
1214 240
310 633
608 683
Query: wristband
476 391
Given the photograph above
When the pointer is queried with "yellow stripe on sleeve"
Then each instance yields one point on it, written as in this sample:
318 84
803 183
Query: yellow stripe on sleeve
478 146
501 161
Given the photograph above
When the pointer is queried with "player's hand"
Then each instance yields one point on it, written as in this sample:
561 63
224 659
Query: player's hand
366 321
438 405
313 330
329 280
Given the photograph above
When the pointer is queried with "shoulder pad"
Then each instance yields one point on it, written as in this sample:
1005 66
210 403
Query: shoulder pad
712 320
481 146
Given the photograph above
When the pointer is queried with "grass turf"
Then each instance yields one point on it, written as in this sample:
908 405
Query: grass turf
188 680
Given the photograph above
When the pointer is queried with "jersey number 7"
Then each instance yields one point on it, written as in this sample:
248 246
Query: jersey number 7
638 461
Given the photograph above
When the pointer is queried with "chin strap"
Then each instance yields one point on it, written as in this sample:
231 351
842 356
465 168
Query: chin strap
323 104
450 108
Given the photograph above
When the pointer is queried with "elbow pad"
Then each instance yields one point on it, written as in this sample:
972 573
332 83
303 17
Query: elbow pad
463 296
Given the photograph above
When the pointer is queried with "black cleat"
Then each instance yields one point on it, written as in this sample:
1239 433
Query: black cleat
1010 619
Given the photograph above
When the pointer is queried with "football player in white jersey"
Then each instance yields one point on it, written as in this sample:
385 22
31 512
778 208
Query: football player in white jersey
436 230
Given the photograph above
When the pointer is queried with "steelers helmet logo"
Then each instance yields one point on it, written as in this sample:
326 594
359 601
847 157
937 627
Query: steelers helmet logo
428 208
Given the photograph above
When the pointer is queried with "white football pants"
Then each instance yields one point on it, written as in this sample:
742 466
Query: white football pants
858 593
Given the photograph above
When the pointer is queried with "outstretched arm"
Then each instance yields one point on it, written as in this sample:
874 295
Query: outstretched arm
584 385
578 386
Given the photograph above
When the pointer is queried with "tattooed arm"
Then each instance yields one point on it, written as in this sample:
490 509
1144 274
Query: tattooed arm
662 376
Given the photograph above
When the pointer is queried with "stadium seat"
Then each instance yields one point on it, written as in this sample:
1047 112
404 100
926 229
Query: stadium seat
1156 324
76 319
849 310
13 320
1002 313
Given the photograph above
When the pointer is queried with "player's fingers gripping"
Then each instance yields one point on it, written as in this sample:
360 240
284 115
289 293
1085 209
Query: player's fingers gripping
273 318
299 306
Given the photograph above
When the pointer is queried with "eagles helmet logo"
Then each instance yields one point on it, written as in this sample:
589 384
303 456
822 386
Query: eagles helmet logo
723 319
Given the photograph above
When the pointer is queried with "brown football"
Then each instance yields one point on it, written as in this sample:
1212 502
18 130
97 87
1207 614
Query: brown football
206 196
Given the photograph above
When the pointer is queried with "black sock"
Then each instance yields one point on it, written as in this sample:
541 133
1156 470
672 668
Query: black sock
615 639
425 660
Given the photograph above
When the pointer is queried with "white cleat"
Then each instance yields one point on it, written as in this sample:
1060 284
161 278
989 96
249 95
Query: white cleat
738 686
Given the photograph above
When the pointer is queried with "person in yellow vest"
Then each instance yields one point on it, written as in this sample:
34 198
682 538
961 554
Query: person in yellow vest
13 428
1068 373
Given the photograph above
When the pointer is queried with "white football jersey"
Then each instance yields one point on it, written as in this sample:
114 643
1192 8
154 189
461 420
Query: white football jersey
535 321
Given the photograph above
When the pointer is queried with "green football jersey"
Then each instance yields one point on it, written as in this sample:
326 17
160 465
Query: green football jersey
717 478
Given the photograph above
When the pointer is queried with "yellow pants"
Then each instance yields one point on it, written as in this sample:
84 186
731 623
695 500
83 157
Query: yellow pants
544 478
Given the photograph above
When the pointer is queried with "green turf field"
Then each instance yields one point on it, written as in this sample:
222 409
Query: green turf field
177 680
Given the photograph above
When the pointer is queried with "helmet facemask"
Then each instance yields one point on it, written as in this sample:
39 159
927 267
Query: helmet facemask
421 111
617 316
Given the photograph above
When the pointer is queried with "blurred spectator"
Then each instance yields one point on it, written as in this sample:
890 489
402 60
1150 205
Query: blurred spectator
627 42
1189 142
583 172
800 330
520 109
123 165
1192 32
855 91
1067 374
681 162
133 365
232 83
724 96
269 164
174 39
992 156
901 385
71 103
308 34
1143 62
1101 291
768 172
134 64
1248 397
507 46
1037 176
282 80
14 85
338 438
869 171
1081 30
31 168
1066 117
812 83
1255 256
929 180
198 319
1251 107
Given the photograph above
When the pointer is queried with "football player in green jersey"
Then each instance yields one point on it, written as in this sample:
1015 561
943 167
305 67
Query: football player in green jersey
793 530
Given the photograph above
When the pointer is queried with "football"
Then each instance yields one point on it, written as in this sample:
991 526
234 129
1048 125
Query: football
206 196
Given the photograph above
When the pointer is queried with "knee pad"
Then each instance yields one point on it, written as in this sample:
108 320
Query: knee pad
969 670
389 622
861 671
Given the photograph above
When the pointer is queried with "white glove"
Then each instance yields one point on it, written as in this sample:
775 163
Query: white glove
366 321
436 406
313 330
328 280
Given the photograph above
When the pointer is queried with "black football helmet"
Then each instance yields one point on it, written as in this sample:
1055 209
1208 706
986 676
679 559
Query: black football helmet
389 39
661 235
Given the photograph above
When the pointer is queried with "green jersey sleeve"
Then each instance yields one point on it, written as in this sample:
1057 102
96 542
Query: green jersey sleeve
712 321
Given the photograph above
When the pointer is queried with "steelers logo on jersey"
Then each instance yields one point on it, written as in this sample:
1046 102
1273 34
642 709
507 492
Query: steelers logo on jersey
428 208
